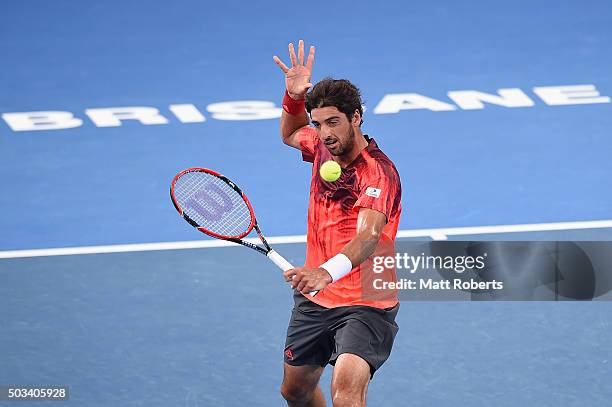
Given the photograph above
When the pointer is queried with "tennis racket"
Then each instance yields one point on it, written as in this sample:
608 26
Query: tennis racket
214 205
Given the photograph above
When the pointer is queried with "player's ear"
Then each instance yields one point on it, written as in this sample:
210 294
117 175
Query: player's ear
356 121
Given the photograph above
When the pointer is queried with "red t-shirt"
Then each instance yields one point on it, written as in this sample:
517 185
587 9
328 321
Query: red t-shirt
370 181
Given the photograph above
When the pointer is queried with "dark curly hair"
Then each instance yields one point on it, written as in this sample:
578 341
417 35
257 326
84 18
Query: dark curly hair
339 93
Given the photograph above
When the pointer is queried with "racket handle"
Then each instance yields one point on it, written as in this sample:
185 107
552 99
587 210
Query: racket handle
283 264
279 260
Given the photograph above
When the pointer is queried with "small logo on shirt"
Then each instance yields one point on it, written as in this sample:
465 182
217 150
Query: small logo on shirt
373 192
289 354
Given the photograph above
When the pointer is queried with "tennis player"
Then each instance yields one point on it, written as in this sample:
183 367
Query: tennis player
347 219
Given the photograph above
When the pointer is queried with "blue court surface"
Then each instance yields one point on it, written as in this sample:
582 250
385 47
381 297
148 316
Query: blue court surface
497 115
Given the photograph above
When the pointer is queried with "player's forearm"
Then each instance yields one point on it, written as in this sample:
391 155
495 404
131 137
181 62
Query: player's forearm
353 254
290 123
370 224
293 117
361 246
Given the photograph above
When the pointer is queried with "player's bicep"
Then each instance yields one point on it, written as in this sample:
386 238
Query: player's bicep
370 222
382 193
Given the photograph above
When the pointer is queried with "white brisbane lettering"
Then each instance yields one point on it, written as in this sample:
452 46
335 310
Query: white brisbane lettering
44 120
112 116
471 99
187 113
241 110
395 102
570 95
506 97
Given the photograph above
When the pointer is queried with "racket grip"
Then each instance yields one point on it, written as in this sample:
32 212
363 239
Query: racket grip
279 260
283 264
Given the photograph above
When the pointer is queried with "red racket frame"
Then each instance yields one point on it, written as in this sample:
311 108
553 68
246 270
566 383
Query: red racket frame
267 250
236 238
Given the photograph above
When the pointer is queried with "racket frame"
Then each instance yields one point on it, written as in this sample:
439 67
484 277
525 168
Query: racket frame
276 258
235 239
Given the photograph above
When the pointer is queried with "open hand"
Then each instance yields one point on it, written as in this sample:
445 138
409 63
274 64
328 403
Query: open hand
297 78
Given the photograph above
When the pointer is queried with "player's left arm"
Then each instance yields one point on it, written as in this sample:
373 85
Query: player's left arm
370 224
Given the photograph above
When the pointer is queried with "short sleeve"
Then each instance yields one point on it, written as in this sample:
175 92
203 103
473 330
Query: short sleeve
380 190
308 139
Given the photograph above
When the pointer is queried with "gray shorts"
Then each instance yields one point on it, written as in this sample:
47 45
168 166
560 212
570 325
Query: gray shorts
317 335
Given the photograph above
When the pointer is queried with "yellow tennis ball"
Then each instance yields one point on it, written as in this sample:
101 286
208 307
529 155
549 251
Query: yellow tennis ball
330 171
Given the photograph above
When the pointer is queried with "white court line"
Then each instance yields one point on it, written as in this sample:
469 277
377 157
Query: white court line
441 234
435 234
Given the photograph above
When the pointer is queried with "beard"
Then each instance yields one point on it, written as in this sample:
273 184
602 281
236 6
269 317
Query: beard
343 148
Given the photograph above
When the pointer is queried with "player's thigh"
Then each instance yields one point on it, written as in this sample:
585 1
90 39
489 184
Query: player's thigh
366 332
301 379
350 378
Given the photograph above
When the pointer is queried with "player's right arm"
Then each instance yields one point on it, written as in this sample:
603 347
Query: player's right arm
297 82
290 126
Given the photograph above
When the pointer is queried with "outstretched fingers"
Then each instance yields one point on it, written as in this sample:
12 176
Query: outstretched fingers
292 55
297 61
280 63
301 52
310 60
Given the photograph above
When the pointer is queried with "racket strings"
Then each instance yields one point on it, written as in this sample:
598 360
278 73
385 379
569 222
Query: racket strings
212 204
207 203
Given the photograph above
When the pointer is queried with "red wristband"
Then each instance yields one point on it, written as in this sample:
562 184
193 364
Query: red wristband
292 106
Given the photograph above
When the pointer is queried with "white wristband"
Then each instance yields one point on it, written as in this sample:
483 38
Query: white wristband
338 266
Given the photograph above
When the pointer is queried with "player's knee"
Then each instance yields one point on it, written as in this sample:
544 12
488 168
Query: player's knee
295 394
346 396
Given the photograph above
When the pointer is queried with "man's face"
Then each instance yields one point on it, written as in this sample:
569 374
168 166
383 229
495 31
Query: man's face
335 130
